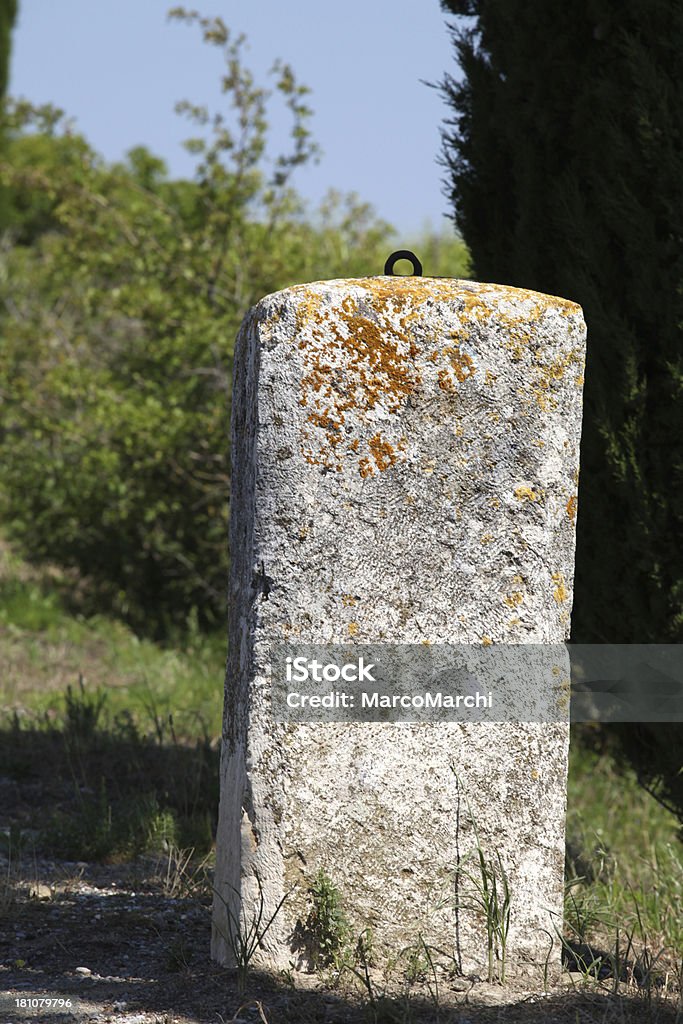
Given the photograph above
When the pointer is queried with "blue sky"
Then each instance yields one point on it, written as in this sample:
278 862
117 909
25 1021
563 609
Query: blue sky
119 66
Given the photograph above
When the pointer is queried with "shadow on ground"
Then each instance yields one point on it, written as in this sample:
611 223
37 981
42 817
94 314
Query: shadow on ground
98 905
109 939
81 792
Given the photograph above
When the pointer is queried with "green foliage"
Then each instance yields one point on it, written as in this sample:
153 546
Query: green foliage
566 174
628 874
114 791
327 929
122 294
174 691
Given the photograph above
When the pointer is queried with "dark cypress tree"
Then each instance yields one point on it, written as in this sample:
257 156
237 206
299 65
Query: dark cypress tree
564 155
8 14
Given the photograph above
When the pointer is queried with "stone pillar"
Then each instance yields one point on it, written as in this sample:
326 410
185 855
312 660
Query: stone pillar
405 467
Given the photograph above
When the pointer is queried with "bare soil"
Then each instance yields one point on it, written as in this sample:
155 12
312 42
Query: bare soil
109 939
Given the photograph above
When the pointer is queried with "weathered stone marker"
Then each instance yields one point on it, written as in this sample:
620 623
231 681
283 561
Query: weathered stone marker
405 465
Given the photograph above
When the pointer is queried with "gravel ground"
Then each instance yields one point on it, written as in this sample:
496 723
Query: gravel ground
109 940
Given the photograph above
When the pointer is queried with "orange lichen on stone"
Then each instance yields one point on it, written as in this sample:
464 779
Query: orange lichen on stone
548 373
383 453
514 599
526 493
307 308
560 592
363 359
446 382
461 363
571 508
360 353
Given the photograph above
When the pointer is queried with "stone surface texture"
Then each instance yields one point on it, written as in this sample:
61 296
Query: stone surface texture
405 469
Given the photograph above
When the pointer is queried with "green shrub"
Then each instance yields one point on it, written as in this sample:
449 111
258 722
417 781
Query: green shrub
122 294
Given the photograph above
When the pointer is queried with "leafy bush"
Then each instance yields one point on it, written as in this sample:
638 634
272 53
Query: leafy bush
122 294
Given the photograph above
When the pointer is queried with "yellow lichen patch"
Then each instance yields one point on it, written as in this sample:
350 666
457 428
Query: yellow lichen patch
548 373
383 453
560 592
526 493
308 308
486 641
353 628
348 600
446 383
486 538
571 508
534 774
359 352
514 599
461 367
360 359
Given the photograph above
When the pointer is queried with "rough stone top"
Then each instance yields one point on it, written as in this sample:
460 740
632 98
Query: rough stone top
370 346
474 295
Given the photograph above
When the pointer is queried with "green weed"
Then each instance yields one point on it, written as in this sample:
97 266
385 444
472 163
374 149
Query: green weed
245 935
489 895
115 792
327 931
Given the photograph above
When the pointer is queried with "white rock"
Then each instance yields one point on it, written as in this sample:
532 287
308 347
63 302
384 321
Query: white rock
405 465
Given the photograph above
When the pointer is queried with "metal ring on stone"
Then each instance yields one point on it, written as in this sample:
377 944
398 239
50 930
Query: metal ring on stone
403 254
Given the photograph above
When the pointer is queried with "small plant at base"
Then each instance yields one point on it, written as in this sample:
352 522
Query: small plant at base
581 913
491 896
244 937
327 928
421 967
